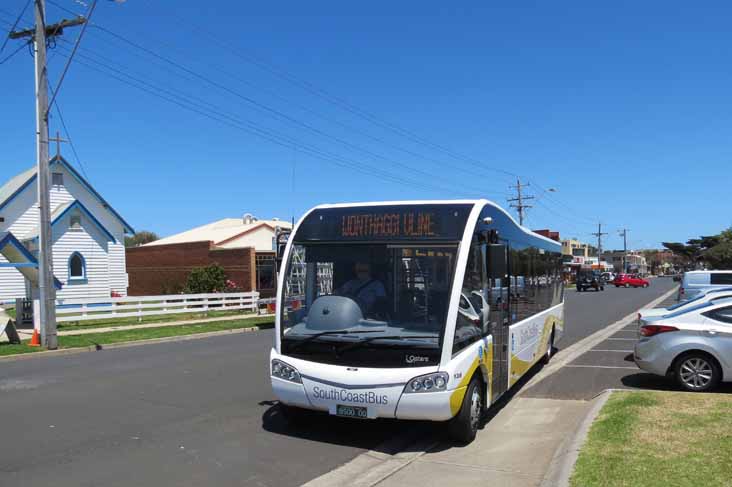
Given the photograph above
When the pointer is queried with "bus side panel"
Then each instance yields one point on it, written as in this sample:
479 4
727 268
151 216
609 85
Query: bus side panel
529 340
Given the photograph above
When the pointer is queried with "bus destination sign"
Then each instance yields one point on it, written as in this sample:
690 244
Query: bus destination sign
378 225
397 222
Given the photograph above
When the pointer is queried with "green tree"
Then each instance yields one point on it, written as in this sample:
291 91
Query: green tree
719 256
209 279
140 238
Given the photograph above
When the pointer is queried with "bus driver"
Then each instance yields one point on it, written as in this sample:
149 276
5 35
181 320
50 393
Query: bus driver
363 288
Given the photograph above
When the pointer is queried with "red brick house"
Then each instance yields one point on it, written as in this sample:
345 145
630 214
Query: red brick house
243 247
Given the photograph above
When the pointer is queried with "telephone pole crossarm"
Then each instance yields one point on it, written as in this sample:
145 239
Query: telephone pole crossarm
519 200
56 29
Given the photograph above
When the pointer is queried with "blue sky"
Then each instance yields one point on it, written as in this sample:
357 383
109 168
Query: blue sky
623 108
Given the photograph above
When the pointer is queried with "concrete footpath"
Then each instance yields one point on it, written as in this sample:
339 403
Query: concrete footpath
516 448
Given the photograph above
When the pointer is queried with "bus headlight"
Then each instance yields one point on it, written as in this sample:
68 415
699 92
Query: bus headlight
286 372
428 383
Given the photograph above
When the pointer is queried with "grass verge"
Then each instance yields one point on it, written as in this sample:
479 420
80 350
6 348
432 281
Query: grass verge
659 439
76 341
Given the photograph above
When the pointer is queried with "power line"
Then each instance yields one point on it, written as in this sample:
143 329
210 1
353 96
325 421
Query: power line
16 51
86 20
71 142
263 107
15 24
313 90
250 127
200 103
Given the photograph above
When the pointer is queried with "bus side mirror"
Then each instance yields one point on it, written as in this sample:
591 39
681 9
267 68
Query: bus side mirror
496 261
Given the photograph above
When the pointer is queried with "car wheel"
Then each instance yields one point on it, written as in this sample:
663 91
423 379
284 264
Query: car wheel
464 426
697 372
602 288
645 285
627 285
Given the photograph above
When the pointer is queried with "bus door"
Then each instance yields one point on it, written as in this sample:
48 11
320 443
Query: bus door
497 263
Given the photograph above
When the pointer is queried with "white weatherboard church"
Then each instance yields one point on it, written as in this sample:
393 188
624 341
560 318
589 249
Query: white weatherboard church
88 234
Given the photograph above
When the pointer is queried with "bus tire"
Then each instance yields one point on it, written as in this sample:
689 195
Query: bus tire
292 414
550 349
464 426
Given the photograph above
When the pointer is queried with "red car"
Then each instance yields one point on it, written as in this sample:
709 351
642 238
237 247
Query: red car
630 280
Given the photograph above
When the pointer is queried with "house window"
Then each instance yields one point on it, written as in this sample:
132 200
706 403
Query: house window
265 269
57 179
77 267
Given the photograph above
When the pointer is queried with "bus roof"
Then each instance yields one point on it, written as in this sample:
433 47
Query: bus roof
456 202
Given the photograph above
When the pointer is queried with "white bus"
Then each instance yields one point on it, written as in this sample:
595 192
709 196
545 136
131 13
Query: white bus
426 310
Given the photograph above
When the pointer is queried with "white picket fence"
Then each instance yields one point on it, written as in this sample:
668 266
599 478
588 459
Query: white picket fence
140 306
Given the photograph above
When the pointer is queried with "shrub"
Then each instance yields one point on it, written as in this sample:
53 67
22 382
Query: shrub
209 279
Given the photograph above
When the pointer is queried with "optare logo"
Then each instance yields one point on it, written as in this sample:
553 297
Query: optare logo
413 359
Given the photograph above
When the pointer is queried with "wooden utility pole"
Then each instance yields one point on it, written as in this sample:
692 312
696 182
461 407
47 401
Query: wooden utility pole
520 198
46 287
599 234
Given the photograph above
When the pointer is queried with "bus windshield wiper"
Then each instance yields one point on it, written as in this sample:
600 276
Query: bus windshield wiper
329 332
360 343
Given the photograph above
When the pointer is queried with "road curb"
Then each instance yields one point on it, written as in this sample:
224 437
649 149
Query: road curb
574 351
133 343
374 466
562 464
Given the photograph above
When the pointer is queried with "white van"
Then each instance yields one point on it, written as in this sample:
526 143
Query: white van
695 282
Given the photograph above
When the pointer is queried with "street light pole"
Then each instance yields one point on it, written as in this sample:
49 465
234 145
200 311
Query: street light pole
624 233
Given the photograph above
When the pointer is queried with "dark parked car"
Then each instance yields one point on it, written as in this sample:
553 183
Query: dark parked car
590 280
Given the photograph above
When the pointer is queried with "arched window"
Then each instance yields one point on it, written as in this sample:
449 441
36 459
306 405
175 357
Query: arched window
77 267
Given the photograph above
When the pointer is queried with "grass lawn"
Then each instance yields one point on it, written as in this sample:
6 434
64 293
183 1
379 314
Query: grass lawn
659 439
75 341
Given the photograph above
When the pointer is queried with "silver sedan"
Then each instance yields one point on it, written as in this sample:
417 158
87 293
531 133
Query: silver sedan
693 345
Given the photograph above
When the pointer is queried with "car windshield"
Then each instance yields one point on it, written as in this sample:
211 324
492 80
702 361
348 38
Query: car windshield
685 302
390 296
715 294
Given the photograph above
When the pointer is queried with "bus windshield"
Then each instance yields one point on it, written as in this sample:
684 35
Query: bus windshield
344 300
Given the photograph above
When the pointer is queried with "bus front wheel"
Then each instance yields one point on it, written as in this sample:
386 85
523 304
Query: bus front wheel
464 426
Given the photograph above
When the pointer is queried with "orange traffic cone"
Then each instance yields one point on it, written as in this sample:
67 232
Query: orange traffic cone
35 339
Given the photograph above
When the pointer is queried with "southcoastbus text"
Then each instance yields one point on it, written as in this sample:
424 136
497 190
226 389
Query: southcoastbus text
426 310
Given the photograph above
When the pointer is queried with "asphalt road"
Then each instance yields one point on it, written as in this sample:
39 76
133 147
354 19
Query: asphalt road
198 412
606 365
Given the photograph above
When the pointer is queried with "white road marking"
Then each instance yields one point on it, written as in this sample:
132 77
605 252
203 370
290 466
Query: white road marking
574 351
600 350
601 367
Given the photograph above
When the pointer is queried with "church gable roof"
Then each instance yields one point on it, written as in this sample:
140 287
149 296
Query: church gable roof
17 184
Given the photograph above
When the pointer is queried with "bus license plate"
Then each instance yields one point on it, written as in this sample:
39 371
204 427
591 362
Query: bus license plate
351 411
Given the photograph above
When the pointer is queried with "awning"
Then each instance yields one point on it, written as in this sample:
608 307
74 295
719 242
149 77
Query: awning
20 258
